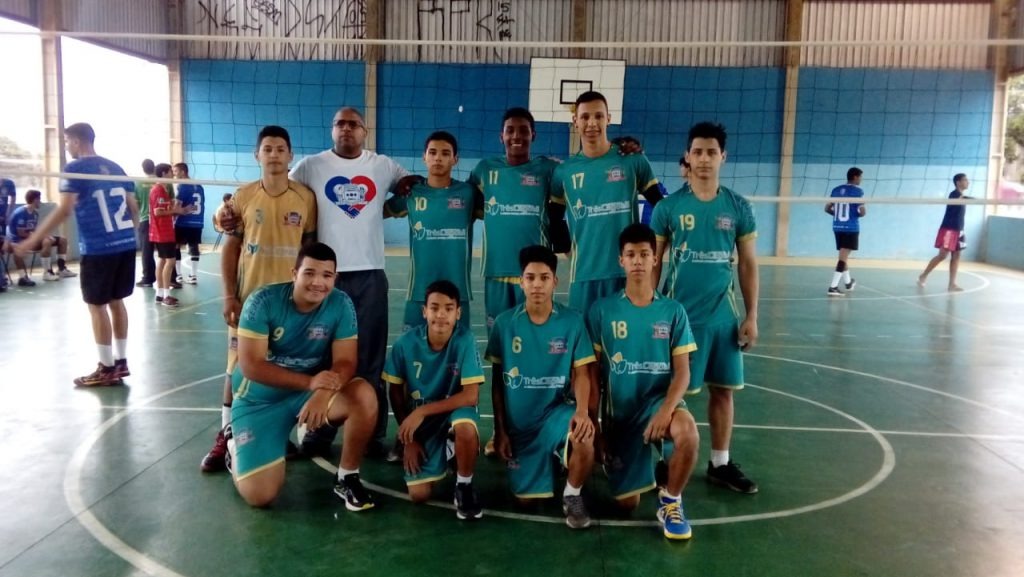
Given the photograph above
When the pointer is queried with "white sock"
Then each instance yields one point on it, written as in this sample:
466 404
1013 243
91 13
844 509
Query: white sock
846 276
459 479
120 349
192 266
676 498
719 458
106 355
571 491
342 473
177 267
225 415
46 262
835 279
164 292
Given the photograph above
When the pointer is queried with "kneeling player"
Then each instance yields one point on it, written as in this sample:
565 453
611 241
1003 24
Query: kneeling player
297 356
434 374
539 349
645 341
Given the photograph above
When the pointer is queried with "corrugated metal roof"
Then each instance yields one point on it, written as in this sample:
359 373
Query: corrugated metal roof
145 16
21 10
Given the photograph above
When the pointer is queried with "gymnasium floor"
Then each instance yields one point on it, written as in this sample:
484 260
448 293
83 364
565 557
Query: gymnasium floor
886 430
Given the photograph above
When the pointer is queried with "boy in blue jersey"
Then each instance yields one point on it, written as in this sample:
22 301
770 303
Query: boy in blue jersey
704 224
188 227
107 214
541 387
951 239
434 378
297 357
23 221
441 211
645 342
846 226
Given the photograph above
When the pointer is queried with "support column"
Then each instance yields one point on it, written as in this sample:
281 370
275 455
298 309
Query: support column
175 16
794 33
53 96
579 34
1002 15
374 28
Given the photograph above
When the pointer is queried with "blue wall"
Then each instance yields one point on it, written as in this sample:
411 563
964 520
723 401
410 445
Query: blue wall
909 130
1003 239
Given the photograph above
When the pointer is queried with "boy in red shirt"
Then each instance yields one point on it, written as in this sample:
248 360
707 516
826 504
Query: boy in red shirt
162 208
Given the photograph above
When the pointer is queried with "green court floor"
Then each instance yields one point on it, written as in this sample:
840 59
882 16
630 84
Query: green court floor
885 428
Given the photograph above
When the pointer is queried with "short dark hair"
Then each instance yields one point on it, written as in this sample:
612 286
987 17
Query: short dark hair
162 169
32 196
316 251
82 131
445 287
637 234
853 173
273 131
519 112
148 166
538 253
591 96
181 166
227 196
707 130
958 177
442 136
683 162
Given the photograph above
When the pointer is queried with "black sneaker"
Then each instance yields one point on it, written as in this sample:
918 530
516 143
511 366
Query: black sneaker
576 515
121 368
351 490
467 506
852 284
833 291
144 284
730 476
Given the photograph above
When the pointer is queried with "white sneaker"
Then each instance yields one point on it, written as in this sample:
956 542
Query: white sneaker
65 273
192 279
178 279
50 275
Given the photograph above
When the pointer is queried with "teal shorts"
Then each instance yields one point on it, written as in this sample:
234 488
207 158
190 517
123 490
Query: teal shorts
531 472
261 421
630 465
433 435
414 315
583 294
717 361
500 295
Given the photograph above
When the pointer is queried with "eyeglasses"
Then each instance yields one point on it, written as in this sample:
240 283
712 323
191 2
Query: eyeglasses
350 124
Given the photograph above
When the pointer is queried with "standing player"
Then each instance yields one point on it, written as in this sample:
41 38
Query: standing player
269 222
107 215
297 357
188 227
162 210
846 226
645 342
142 190
703 224
541 390
350 184
951 239
435 375
599 188
441 213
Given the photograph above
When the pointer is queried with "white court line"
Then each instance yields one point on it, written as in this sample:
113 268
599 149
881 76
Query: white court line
984 285
909 302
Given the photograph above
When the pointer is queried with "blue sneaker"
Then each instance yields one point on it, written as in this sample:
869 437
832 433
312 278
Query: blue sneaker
673 523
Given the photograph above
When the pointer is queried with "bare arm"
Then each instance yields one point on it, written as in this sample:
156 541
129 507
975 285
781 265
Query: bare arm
830 208
750 288
498 398
230 254
659 252
467 397
252 358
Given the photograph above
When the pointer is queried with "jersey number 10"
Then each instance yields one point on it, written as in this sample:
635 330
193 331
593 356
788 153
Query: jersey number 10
121 220
842 212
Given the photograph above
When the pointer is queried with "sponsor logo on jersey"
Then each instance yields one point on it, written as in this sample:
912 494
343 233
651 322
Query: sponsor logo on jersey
557 346
454 370
243 437
258 215
350 195
724 222
514 380
420 232
529 180
662 330
683 254
621 366
615 174
455 203
293 219
317 333
581 211
494 208
251 248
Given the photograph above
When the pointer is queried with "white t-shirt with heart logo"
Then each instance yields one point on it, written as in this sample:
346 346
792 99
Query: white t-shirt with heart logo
350 195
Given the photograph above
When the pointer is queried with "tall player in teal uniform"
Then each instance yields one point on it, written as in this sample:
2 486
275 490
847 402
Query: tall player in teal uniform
541 386
599 188
846 226
107 214
297 345
441 212
434 375
645 342
703 224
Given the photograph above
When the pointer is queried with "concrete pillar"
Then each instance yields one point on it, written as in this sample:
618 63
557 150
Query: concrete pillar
53 96
794 33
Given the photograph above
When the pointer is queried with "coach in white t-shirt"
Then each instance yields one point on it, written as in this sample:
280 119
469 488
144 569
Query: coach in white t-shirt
351 185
